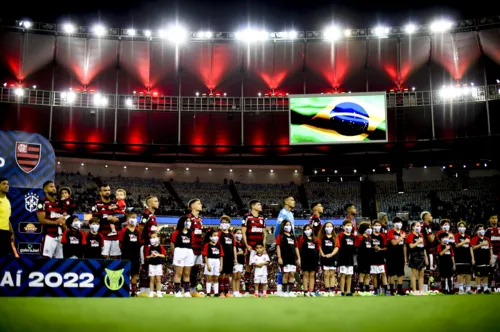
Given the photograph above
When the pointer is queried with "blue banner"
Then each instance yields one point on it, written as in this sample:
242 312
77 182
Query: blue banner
64 277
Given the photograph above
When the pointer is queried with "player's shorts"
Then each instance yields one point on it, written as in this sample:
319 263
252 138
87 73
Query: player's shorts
260 280
482 271
364 266
198 259
183 257
238 268
111 248
377 269
347 270
288 268
250 256
52 247
495 260
227 264
155 270
329 268
214 264
463 269
417 262
135 265
309 265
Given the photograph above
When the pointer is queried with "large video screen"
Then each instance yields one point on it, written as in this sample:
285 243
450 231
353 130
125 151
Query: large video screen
339 118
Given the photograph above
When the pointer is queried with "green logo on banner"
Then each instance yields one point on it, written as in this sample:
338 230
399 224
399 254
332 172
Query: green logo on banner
114 279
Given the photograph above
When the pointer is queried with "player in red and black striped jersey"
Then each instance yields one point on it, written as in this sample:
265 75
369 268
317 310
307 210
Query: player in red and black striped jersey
196 207
493 233
315 221
351 213
253 227
149 225
228 242
481 251
104 210
50 216
73 239
94 241
68 205
463 259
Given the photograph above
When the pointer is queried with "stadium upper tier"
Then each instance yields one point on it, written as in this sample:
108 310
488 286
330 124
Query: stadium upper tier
451 200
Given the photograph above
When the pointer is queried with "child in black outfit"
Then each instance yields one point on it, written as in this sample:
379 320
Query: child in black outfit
446 263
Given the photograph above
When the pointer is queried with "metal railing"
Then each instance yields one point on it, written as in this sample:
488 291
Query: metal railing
227 104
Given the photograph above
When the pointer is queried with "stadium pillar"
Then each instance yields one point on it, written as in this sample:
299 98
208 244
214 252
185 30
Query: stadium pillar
366 64
52 96
398 62
242 105
116 89
430 88
179 110
485 79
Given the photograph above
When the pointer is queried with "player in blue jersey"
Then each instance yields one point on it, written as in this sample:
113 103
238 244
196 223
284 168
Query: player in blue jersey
285 214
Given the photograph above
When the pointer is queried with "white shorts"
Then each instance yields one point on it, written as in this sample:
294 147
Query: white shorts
198 259
329 268
252 253
52 247
155 270
111 248
141 254
183 257
289 268
347 270
238 268
260 280
377 269
214 264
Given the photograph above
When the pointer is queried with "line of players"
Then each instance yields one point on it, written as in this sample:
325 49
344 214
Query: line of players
378 254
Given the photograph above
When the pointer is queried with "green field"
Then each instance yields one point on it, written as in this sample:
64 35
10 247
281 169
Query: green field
430 313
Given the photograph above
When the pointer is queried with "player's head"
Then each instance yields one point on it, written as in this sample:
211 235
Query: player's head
259 248
462 227
494 220
64 193
105 191
225 222
74 222
377 226
365 227
49 188
347 225
350 209
382 217
327 229
289 201
426 216
286 226
415 227
4 185
211 236
308 231
255 205
152 203
480 230
195 205
154 239
398 223
443 237
238 234
120 194
132 218
183 223
94 225
317 207
445 225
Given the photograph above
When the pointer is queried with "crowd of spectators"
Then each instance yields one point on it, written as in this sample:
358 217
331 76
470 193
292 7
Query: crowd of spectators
334 196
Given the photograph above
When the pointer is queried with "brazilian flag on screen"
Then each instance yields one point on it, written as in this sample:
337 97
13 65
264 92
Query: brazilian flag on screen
327 119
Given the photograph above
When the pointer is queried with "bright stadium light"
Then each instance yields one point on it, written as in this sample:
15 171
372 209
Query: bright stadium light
100 100
410 28
69 97
69 28
128 102
332 33
26 24
441 26
147 33
347 32
99 30
381 31
251 35
205 34
19 92
131 32
175 34
292 34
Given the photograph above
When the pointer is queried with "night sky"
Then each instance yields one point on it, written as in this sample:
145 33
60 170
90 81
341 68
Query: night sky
230 15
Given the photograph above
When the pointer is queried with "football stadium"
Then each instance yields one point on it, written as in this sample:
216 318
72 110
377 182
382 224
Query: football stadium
184 164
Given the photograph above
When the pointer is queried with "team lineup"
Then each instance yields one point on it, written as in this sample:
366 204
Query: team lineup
360 256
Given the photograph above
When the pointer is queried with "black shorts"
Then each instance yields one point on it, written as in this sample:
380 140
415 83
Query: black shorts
395 268
463 269
364 266
5 246
135 264
417 262
328 261
227 265
445 271
309 265
482 271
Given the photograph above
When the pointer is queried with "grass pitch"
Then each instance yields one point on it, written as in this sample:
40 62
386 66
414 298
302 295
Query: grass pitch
405 314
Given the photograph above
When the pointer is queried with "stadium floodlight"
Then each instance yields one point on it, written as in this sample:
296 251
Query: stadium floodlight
69 28
347 32
259 94
175 33
296 171
292 34
99 100
209 169
34 86
205 34
498 81
251 35
99 30
147 33
425 167
131 32
441 26
162 33
5 85
410 28
249 171
332 33
69 97
225 94
272 171
26 24
19 92
197 94
381 31
355 171
231 170
125 167
413 89
128 102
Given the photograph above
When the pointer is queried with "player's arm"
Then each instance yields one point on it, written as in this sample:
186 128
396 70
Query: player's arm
405 253
265 236
453 261
172 241
442 251
321 253
40 215
162 253
148 252
235 255
426 258
491 253
278 250
297 253
278 225
266 260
